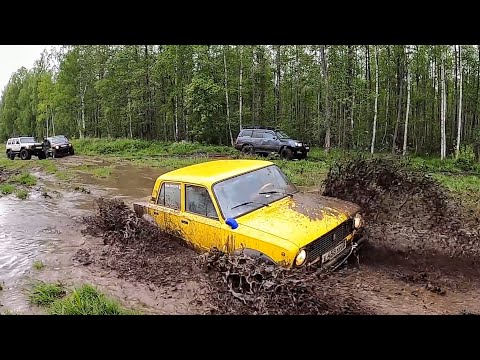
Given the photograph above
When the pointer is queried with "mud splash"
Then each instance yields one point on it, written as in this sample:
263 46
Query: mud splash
138 250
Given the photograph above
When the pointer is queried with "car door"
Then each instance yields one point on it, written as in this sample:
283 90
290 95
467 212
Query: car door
257 140
16 145
200 222
167 210
269 141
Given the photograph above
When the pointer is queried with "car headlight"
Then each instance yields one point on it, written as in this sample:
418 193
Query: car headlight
298 144
57 147
357 221
301 257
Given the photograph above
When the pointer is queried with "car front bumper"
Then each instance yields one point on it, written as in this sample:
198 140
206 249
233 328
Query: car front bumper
357 242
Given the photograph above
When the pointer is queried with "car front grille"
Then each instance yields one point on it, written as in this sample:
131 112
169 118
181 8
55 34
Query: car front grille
328 241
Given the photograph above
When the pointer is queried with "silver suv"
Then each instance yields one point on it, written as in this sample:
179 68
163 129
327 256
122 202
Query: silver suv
24 147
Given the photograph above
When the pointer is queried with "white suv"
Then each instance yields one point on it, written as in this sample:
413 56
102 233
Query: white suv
24 147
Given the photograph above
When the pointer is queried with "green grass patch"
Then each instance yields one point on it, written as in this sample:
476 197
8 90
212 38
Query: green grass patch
44 294
137 147
6 189
24 178
48 166
38 265
87 300
97 171
21 194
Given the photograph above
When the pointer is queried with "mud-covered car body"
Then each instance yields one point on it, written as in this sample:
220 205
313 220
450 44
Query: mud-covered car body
24 147
251 206
269 140
57 145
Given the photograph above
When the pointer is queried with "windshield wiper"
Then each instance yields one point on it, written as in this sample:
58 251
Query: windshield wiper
275 192
247 203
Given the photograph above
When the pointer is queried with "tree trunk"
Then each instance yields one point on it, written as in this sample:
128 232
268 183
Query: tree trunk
82 100
443 144
254 118
240 97
459 125
226 95
176 95
374 131
405 131
278 85
327 102
399 104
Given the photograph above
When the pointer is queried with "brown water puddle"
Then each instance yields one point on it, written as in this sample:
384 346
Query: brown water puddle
49 229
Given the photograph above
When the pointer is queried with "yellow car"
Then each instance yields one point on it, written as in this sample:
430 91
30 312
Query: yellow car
251 206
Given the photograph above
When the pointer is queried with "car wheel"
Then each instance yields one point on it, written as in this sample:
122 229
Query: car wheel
8 154
42 156
25 154
54 154
248 149
286 154
302 156
71 152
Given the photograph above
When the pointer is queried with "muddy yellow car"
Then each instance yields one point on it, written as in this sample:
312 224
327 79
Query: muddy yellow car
250 206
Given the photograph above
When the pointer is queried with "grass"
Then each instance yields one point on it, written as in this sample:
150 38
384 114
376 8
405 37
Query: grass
38 265
24 179
45 294
21 194
6 189
97 171
84 300
144 147
48 166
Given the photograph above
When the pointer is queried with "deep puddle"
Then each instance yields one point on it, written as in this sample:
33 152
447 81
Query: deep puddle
48 228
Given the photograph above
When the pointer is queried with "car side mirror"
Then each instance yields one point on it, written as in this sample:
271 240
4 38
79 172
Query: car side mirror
232 223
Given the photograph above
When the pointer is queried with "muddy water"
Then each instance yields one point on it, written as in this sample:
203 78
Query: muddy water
48 229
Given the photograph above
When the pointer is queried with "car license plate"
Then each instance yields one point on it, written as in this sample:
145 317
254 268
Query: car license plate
334 252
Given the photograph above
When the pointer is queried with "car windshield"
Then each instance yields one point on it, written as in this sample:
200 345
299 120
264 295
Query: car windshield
282 135
247 192
27 140
58 139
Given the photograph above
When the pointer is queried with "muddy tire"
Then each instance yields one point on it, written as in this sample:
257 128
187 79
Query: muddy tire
25 154
71 151
286 154
248 149
42 156
302 156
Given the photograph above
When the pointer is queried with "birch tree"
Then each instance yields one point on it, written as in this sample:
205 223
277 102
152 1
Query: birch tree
226 95
407 112
443 140
459 125
374 131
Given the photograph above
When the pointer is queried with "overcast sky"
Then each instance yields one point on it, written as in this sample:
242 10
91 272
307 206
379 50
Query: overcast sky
13 57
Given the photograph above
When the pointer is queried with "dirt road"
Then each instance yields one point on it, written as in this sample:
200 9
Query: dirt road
167 279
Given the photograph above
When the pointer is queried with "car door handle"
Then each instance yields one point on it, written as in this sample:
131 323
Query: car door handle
184 221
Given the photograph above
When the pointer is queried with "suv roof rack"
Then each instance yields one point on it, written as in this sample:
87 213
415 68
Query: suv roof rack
263 127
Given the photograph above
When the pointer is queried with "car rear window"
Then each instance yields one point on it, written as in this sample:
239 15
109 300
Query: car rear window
170 196
258 134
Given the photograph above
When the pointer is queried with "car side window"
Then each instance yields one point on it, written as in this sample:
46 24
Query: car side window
198 201
170 196
246 133
17 142
8 142
257 134
268 136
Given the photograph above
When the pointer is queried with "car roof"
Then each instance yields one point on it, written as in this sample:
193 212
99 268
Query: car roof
210 172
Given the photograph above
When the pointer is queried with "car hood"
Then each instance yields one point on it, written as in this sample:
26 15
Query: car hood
301 218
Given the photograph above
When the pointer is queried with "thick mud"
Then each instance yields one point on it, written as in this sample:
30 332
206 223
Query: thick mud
422 255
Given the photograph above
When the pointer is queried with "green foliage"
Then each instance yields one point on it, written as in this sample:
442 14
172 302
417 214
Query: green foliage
22 194
44 294
25 179
38 265
87 300
6 189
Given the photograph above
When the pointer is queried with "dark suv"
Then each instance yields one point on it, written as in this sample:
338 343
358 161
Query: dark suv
267 140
